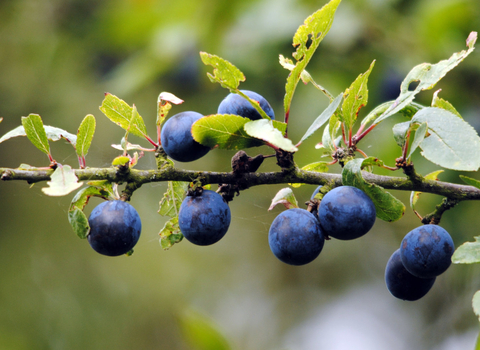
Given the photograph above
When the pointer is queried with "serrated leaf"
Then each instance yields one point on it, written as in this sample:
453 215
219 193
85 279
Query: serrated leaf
263 129
76 216
286 197
427 75
63 181
35 131
119 112
172 199
387 206
467 253
319 167
355 97
329 134
79 222
322 118
452 142
416 195
470 181
105 188
85 135
306 40
170 234
225 130
443 104
420 135
224 73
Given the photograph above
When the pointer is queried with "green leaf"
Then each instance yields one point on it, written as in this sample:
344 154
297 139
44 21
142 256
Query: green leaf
322 118
387 206
330 134
225 130
286 197
400 133
428 75
119 112
53 134
172 199
79 222
264 129
441 103
164 104
63 181
420 135
201 333
306 40
120 160
452 142
35 131
170 234
355 97
416 195
76 216
476 306
85 135
470 181
224 73
467 253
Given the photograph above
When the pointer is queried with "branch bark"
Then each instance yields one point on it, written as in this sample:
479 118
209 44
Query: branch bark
140 177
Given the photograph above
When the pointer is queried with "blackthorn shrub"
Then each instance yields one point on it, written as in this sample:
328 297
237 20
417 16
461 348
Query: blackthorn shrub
177 139
402 284
236 104
346 213
115 228
295 237
204 219
427 250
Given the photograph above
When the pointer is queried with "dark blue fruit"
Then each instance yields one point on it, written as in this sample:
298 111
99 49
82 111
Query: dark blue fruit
114 228
204 219
427 251
236 104
346 212
295 237
177 139
401 283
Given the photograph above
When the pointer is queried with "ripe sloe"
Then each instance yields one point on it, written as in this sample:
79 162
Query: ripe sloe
115 228
204 219
177 139
427 250
401 283
236 104
346 213
295 237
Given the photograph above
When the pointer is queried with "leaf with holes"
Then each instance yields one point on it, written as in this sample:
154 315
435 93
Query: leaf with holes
224 73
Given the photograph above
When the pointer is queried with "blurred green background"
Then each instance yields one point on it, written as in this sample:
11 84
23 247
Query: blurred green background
58 58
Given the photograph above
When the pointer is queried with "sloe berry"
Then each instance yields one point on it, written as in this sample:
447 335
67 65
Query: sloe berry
401 283
115 228
177 139
204 219
346 213
427 251
238 105
295 237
